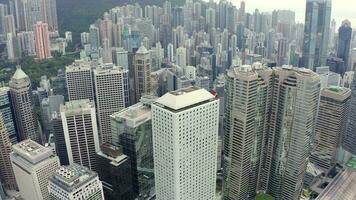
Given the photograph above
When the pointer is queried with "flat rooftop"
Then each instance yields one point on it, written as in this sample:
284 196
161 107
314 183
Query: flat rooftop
32 151
186 97
77 106
72 177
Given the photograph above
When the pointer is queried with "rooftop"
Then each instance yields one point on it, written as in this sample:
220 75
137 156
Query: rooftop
72 177
19 74
351 163
32 151
185 97
77 106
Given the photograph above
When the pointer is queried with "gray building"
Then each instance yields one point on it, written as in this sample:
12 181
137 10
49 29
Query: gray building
316 33
75 182
8 115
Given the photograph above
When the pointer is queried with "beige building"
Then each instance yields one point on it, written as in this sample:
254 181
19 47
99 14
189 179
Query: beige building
142 73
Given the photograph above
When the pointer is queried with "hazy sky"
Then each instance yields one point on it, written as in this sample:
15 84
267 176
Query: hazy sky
341 9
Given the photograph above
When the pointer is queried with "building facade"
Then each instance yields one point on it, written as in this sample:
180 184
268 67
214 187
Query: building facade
185 141
142 73
8 115
42 43
33 164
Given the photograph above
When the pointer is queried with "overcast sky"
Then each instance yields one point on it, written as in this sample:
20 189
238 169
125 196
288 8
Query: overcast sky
341 9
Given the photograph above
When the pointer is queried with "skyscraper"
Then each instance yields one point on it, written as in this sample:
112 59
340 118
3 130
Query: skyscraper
111 87
21 96
50 14
185 142
142 73
330 126
9 24
246 115
8 115
80 81
75 182
349 138
7 176
114 170
132 129
42 43
343 48
80 132
316 33
282 58
292 124
33 164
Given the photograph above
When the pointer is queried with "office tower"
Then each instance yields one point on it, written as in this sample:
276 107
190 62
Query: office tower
115 172
185 141
50 14
181 59
75 182
80 132
330 126
107 51
170 53
246 114
21 97
42 43
241 15
33 164
94 38
132 129
8 115
121 58
295 99
142 72
112 95
336 65
9 24
56 129
282 58
343 185
80 81
7 176
344 42
49 106
349 138
316 33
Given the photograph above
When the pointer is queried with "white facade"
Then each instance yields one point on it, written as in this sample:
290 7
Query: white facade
80 132
185 142
111 86
33 164
75 182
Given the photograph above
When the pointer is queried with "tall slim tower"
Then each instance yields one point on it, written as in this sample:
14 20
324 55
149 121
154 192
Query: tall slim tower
21 96
50 14
42 43
111 86
142 72
316 33
349 138
7 112
343 49
294 108
246 115
33 164
330 126
7 176
80 81
185 141
80 132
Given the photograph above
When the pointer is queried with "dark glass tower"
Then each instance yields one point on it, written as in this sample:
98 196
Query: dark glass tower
349 139
343 49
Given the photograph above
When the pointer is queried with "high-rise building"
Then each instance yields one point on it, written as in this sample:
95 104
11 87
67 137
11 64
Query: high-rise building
121 58
56 129
21 96
94 38
9 24
132 129
115 172
112 95
246 115
330 126
80 81
80 132
181 59
282 58
50 14
7 176
295 99
349 138
185 141
142 73
8 115
75 182
33 164
344 43
42 43
316 33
